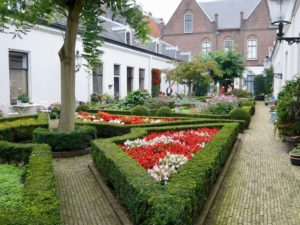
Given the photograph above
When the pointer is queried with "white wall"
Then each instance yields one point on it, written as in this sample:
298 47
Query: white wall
42 45
286 58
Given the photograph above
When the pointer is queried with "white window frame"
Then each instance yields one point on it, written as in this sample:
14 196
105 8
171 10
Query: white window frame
205 49
228 40
184 22
252 57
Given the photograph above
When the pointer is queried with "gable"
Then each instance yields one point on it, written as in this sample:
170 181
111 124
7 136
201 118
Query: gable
260 18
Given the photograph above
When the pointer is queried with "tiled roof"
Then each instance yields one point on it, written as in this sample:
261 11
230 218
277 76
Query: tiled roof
228 11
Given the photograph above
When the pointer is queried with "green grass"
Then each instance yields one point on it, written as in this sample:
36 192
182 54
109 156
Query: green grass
11 188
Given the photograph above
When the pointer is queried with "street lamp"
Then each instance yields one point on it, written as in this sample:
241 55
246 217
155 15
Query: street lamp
267 65
280 16
78 61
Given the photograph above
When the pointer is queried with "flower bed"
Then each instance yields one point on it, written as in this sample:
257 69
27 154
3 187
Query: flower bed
162 154
123 120
178 202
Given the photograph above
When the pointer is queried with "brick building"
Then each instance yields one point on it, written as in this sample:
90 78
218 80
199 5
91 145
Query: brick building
209 25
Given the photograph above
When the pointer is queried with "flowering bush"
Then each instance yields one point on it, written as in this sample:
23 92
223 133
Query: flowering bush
109 118
162 154
219 105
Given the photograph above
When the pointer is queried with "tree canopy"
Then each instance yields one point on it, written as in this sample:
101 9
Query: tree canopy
23 14
230 63
189 73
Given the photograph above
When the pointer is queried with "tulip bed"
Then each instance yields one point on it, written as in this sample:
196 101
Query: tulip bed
179 200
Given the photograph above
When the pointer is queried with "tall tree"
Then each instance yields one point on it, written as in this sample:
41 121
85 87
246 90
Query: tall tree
24 13
230 63
188 73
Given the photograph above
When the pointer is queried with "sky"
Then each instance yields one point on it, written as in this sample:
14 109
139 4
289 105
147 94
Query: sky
160 8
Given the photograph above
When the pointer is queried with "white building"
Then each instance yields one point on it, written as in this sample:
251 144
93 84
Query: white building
31 65
286 58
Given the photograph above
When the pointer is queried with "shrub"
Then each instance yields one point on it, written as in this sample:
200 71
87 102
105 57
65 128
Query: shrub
240 114
133 99
65 141
288 108
240 93
219 105
82 108
140 111
17 129
40 205
180 200
164 111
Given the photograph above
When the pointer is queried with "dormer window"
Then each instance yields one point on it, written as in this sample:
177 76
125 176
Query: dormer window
188 22
157 48
128 38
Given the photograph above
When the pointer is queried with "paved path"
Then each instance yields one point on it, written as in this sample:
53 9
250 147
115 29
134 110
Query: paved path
261 186
83 201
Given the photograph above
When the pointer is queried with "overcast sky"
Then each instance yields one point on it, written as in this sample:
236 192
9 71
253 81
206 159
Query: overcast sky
160 8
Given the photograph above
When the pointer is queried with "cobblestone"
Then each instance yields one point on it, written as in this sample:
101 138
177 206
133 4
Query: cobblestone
261 186
83 202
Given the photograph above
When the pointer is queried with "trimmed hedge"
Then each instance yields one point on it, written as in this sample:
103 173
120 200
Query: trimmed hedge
241 114
19 129
176 203
140 111
152 112
164 111
41 205
65 141
107 130
13 118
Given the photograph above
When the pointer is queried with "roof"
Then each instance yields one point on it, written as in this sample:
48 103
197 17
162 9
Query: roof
228 11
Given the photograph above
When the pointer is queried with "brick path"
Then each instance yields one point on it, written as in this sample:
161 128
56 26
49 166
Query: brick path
82 199
261 186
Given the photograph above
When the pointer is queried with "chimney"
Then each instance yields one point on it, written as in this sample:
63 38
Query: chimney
242 18
216 21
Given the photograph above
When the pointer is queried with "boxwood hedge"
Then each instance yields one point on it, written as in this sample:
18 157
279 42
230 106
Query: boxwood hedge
179 201
41 205
78 139
106 130
20 128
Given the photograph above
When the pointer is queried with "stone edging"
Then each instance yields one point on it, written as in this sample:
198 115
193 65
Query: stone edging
113 201
208 203
71 153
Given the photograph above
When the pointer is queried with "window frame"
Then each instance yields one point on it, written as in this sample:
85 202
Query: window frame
228 40
206 52
184 23
250 39
142 78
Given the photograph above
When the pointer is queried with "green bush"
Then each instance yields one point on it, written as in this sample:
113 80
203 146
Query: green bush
288 113
133 99
140 111
240 93
180 200
164 111
241 114
82 108
40 205
65 141
17 129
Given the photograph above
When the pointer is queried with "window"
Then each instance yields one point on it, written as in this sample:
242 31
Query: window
18 75
128 38
141 79
250 83
228 45
157 47
252 49
98 79
129 79
188 23
206 48
116 80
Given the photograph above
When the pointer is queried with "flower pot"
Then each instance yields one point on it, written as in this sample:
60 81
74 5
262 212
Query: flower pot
295 161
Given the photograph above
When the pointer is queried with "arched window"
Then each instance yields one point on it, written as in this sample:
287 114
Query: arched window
228 44
206 47
188 22
252 48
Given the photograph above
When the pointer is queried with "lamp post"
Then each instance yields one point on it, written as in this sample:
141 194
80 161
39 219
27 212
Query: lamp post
78 61
280 16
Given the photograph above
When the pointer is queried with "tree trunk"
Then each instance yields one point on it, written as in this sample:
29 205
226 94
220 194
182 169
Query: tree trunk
190 87
67 61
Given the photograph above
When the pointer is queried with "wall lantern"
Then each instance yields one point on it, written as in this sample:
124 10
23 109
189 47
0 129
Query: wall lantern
78 61
280 15
110 86
278 76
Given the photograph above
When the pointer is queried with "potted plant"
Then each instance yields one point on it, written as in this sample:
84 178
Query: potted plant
295 156
23 98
